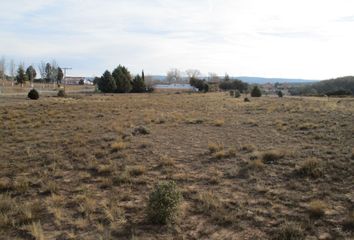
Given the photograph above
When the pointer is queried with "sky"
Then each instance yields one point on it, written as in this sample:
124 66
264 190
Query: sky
310 39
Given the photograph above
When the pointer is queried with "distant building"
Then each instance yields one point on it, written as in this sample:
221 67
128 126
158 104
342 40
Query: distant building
175 86
77 81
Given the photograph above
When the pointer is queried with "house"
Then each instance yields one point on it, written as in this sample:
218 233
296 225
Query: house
175 86
77 81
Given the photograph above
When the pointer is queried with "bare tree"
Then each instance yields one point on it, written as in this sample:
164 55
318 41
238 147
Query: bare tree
12 71
214 78
174 76
2 70
193 73
42 72
54 72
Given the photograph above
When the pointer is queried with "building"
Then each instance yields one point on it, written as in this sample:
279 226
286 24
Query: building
77 81
175 86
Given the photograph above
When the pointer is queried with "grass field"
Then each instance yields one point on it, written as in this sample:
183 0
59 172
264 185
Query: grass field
77 168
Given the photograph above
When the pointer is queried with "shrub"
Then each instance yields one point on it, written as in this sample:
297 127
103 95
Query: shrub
289 232
232 93
219 122
215 147
317 208
33 94
141 130
237 94
272 156
311 168
280 94
349 222
164 202
246 100
136 170
256 92
61 93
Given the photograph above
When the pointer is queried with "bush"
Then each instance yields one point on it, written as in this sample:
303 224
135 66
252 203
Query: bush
272 156
256 92
246 100
310 168
33 94
317 208
61 93
280 94
289 232
200 84
237 94
163 203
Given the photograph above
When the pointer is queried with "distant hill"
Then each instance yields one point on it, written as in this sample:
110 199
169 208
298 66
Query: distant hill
261 80
334 85
338 86
254 80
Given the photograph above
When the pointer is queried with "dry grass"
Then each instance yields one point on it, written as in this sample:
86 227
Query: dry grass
83 167
272 156
219 122
118 146
215 147
310 167
317 208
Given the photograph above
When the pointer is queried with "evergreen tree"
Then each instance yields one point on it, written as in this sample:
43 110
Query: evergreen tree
138 84
106 83
60 76
31 74
201 85
21 77
48 71
280 94
122 79
256 92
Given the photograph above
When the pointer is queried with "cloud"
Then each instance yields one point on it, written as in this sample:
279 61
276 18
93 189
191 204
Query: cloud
346 19
264 38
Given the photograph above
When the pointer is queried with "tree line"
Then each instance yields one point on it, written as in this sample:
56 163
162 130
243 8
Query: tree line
49 72
121 81
338 86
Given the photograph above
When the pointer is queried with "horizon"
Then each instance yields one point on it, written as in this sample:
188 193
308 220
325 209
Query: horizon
273 39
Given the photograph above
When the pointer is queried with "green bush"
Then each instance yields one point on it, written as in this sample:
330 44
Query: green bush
256 92
164 202
33 94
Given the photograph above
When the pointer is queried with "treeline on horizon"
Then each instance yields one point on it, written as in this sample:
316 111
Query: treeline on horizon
334 87
20 74
120 80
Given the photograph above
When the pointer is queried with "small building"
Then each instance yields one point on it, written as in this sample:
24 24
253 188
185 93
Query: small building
175 86
77 81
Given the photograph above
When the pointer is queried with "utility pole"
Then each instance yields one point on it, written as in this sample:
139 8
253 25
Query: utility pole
65 68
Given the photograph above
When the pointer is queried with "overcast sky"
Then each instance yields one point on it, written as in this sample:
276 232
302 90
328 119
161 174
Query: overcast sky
311 39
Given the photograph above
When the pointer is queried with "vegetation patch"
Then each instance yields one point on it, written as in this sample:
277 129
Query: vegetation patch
272 156
317 208
311 167
164 203
289 231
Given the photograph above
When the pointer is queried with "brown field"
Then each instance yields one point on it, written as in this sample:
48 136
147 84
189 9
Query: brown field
71 168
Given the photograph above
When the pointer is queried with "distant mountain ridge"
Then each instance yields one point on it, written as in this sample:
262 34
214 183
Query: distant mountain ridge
255 80
262 80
